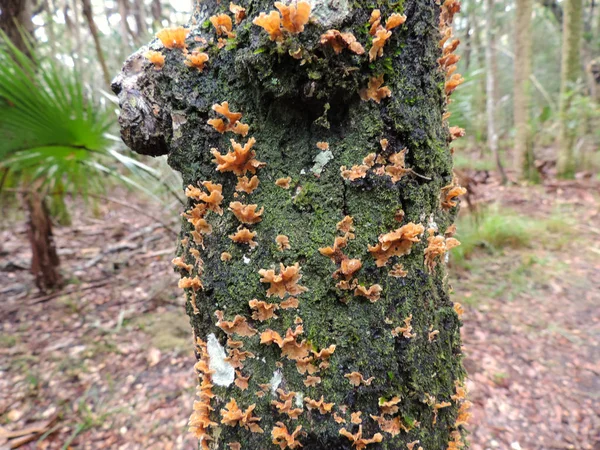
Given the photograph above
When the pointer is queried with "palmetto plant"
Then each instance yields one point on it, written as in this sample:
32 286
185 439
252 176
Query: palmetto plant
54 142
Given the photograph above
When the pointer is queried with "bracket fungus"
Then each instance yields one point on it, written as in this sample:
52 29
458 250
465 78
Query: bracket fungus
283 438
286 282
358 442
239 325
396 243
240 160
374 90
232 124
173 37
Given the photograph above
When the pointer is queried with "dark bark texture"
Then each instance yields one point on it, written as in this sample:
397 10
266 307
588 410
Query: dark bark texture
291 104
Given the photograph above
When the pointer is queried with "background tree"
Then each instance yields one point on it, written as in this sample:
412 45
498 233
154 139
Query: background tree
570 71
492 86
524 158
327 202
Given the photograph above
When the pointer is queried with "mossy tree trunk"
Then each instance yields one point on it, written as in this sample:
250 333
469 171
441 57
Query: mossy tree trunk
294 94
524 157
570 71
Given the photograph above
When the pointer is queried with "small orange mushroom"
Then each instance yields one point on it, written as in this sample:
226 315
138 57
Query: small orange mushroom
397 271
225 256
283 182
247 185
232 415
239 325
381 37
358 442
271 23
339 41
156 58
246 213
312 381
283 242
356 379
244 236
319 405
406 330
263 310
394 21
396 243
196 59
238 12
294 16
222 24
283 438
284 282
374 91
173 37
240 160
354 173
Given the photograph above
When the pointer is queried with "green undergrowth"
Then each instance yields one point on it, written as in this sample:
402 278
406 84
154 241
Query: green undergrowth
494 230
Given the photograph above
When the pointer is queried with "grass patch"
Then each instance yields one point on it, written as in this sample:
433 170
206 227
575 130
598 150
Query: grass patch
495 230
471 161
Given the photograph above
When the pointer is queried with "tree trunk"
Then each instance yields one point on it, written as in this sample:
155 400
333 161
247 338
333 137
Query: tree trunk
524 158
15 14
44 259
301 100
570 70
156 9
139 14
89 16
491 86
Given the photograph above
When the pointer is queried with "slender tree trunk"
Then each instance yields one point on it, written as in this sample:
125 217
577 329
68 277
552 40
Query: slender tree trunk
123 25
15 14
524 158
570 71
344 311
139 14
44 259
89 16
156 14
491 86
479 54
77 34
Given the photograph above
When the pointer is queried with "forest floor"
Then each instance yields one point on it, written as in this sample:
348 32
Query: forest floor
108 362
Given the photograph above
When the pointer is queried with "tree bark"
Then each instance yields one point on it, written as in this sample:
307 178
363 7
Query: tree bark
570 71
89 16
44 259
524 158
491 86
16 14
294 94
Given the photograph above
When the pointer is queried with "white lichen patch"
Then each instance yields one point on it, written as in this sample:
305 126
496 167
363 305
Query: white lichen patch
299 399
224 373
321 161
276 381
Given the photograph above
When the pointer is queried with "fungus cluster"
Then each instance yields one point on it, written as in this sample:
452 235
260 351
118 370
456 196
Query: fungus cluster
291 18
284 406
450 194
356 379
173 37
437 247
396 243
285 282
239 325
232 122
358 442
406 330
233 416
200 422
375 91
239 161
382 33
290 347
339 41
156 58
283 438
